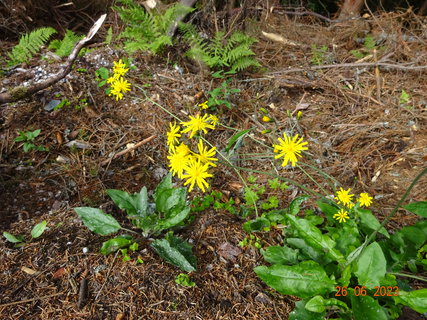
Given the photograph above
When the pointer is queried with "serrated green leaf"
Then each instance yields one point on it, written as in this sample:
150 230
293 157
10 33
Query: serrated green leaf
123 200
176 251
296 203
11 238
419 208
115 244
371 266
314 237
416 299
303 280
38 229
98 221
280 255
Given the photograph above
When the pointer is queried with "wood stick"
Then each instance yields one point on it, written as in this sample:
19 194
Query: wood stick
21 92
30 300
118 154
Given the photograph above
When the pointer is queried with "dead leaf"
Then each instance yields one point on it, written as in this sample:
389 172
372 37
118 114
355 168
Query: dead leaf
28 270
229 252
278 38
59 273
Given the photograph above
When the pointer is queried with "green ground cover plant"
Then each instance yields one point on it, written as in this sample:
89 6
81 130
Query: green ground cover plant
20 241
28 137
169 209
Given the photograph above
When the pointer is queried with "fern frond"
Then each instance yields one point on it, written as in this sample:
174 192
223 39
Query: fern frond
234 52
147 31
64 47
29 44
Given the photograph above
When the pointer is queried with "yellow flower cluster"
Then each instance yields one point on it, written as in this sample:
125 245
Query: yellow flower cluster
118 84
186 164
344 198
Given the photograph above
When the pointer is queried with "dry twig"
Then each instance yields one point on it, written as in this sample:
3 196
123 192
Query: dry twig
19 93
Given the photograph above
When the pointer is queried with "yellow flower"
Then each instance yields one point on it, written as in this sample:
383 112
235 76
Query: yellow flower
120 85
113 78
205 155
344 197
299 115
341 216
116 93
177 163
266 119
365 199
183 149
289 149
172 135
196 124
196 173
204 105
119 68
213 119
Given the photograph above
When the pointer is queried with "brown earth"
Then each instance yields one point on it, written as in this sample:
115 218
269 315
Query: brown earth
358 133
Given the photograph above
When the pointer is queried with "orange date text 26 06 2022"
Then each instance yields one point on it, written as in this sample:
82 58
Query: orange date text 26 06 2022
381 291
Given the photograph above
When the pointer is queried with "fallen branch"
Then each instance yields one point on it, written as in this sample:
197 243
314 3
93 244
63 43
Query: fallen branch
352 65
30 300
21 92
105 162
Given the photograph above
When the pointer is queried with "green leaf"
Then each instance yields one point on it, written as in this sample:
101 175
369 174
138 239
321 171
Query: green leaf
329 209
38 229
319 304
11 238
280 255
370 268
176 251
103 73
301 313
308 251
296 203
141 202
171 198
175 216
123 200
98 221
115 244
303 280
236 138
165 184
257 224
416 299
366 307
313 236
419 208
369 222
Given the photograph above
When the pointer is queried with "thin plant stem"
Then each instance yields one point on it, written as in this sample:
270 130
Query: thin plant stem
235 169
407 275
398 205
311 178
323 173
